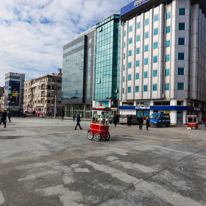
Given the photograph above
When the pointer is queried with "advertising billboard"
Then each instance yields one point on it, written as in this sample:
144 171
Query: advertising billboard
11 93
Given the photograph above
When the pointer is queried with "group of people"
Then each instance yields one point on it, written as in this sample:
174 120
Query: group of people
3 117
139 120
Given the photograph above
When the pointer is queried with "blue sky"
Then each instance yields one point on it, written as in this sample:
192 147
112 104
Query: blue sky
33 33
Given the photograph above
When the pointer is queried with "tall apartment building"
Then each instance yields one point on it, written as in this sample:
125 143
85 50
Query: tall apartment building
107 63
14 91
40 93
78 65
163 58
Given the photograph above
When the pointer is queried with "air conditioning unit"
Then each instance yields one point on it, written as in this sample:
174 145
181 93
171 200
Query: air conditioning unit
163 96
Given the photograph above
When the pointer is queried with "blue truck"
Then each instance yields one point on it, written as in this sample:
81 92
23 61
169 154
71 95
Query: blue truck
159 119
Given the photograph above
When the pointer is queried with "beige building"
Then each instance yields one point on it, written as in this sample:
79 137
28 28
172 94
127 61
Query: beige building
40 93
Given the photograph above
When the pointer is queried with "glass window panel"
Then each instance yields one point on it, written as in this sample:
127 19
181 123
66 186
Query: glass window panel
167 72
145 88
154 87
180 71
155 45
125 33
155 31
130 52
137 75
145 74
130 65
181 11
156 17
129 89
136 88
155 59
168 15
130 28
146 48
129 77
146 61
181 41
167 58
167 87
130 41
154 73
137 50
137 63
146 35
138 25
138 37
180 86
168 43
181 26
167 29
181 56
146 22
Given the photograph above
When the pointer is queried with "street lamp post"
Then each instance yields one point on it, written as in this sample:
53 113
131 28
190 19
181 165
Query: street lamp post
55 105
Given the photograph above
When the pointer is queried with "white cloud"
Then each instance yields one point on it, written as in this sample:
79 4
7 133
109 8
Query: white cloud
33 33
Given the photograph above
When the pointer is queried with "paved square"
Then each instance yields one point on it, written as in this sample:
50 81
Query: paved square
46 162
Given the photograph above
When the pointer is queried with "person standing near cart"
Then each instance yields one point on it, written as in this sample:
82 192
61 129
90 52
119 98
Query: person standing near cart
140 120
115 120
147 122
78 122
129 120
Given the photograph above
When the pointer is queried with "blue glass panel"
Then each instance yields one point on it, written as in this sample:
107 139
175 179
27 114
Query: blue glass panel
138 37
123 67
181 11
137 75
137 63
130 41
138 25
123 79
155 31
146 35
180 86
167 58
155 59
181 26
130 65
137 89
129 77
167 29
146 48
125 33
124 44
130 52
168 43
145 74
129 89
167 72
155 45
181 41
180 71
137 50
154 73
181 56
167 87
156 17
154 87
123 90
146 22
146 61
130 28
145 88
168 15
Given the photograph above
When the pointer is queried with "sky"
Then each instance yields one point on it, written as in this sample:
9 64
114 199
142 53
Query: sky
33 32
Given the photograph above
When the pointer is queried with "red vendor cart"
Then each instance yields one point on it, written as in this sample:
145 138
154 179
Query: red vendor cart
99 127
192 121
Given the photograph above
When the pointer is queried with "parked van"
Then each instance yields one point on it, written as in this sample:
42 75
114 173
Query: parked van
159 119
123 119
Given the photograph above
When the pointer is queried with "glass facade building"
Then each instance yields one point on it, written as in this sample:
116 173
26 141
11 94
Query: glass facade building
107 60
77 82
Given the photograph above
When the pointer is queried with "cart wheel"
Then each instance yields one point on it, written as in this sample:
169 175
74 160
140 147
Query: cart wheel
97 137
107 138
90 135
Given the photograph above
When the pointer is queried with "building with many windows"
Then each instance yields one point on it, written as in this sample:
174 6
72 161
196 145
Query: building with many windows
40 94
107 63
163 58
77 85
14 91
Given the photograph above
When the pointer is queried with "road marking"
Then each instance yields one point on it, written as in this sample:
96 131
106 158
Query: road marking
144 186
81 170
67 197
1 198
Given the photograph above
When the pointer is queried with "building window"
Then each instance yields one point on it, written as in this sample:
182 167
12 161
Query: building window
181 71
129 89
181 41
130 65
137 89
167 87
125 33
181 26
130 28
168 43
123 90
137 75
156 17
168 15
130 53
167 72
123 79
145 88
154 87
155 45
130 40
146 22
154 73
146 35
180 86
138 37
181 11
129 77
137 50
145 74
181 56
167 29
155 31
123 67
137 63
155 59
138 25
146 61
167 58
124 44
146 48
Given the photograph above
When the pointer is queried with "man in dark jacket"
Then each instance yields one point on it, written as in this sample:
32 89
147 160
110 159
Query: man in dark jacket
3 118
9 116
78 122
140 120
129 120
115 120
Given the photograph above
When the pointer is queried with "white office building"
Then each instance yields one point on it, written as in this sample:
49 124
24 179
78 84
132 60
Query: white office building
163 58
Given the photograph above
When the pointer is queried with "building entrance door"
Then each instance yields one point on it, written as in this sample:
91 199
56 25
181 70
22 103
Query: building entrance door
179 117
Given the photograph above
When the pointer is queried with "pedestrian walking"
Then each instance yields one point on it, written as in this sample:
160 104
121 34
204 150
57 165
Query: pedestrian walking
147 122
73 117
203 120
78 122
205 124
62 114
9 116
115 120
129 120
3 118
140 120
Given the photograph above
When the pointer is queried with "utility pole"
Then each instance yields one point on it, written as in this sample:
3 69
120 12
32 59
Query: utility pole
55 107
